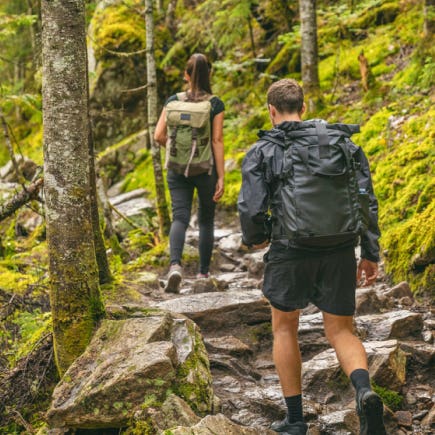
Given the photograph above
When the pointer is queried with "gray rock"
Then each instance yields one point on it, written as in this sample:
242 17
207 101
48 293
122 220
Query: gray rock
367 301
128 369
311 332
387 367
254 263
174 412
400 290
133 207
421 353
232 242
429 420
340 422
404 418
221 309
127 196
227 267
207 285
394 324
228 344
216 424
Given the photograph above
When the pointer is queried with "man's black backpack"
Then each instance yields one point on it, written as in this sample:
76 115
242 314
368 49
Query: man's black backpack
321 203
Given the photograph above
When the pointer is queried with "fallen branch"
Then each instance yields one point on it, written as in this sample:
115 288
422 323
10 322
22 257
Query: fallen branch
26 195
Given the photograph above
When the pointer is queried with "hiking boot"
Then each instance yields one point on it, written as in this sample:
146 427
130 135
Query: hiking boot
285 427
370 411
175 275
202 275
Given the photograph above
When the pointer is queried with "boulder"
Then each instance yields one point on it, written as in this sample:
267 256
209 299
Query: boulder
221 309
387 367
216 424
129 368
395 324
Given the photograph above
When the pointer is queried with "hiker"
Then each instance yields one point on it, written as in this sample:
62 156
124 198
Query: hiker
191 128
306 190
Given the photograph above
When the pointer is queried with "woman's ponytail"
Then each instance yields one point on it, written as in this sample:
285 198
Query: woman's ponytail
198 68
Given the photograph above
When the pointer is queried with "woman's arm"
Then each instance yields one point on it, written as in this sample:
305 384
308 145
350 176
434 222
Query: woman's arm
160 132
218 153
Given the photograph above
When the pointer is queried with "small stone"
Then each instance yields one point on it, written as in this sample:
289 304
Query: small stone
420 415
428 336
228 344
404 418
205 285
406 301
227 267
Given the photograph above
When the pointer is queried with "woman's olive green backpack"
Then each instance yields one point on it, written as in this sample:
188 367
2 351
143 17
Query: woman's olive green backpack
189 144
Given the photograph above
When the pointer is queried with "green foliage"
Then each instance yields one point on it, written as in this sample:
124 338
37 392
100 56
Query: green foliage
32 327
11 24
118 27
391 398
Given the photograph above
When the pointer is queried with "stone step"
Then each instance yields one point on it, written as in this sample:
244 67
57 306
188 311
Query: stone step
221 309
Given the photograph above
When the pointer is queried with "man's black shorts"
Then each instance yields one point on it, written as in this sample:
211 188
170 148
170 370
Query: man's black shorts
293 278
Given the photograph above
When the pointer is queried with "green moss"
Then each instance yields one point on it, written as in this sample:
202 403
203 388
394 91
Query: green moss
194 378
118 28
391 398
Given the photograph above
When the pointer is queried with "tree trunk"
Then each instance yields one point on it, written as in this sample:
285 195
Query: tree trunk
309 53
74 290
162 208
429 18
104 274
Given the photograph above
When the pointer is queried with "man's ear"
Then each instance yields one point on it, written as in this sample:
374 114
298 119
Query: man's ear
272 110
303 110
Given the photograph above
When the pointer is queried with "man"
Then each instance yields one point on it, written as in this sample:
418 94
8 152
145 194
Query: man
296 274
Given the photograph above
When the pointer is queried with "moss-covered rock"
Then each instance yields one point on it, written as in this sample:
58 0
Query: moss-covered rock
129 370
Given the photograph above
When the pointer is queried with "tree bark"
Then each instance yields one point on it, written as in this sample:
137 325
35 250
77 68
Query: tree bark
104 274
162 208
74 290
309 52
429 18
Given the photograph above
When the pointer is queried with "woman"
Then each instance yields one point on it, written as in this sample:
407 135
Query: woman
210 187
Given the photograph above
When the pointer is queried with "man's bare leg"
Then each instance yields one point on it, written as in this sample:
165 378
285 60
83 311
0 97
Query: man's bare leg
287 358
349 349
353 360
286 354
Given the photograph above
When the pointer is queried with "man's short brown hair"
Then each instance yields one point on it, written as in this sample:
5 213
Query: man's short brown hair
286 96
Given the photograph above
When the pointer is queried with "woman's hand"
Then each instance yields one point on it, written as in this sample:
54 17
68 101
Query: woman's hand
219 190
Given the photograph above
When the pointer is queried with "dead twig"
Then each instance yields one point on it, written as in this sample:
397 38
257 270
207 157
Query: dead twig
140 88
27 194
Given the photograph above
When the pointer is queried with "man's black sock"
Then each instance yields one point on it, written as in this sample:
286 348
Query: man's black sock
294 406
360 379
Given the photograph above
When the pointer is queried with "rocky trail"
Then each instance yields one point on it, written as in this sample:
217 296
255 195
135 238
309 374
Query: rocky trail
234 318
101 389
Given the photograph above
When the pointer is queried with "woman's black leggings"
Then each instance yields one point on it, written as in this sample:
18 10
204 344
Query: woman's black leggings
181 189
